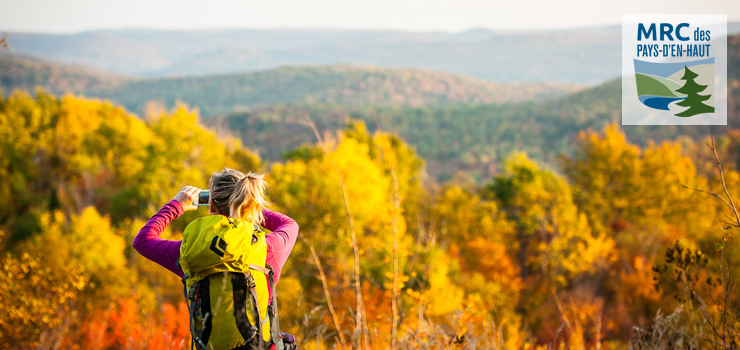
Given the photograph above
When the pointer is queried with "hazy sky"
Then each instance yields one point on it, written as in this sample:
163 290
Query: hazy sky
69 16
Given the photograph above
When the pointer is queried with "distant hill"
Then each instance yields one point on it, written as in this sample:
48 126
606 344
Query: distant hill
450 136
475 139
222 94
28 73
469 138
576 56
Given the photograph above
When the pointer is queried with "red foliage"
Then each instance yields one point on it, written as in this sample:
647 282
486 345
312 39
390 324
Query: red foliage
125 326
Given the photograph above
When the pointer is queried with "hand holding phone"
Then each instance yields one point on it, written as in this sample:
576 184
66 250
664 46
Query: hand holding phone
202 199
187 197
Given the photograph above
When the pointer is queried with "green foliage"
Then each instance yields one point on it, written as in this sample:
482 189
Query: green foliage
27 73
224 94
470 138
476 139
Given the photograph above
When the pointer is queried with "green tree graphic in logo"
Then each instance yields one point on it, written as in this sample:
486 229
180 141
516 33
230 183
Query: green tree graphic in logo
693 100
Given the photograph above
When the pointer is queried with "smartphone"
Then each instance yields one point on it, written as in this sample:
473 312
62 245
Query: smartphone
202 198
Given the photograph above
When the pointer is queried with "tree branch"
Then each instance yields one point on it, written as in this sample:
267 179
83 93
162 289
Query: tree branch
327 294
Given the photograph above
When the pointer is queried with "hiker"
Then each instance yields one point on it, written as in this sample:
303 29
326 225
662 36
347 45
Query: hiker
229 267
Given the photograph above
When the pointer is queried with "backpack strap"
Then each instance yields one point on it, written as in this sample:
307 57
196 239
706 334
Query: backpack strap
193 309
252 286
276 337
275 322
262 269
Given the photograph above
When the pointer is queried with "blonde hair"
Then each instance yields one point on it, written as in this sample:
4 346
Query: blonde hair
241 196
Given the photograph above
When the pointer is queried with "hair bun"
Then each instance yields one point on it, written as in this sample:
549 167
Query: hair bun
240 195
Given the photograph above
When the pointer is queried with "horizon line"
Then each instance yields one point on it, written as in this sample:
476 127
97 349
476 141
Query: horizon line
337 29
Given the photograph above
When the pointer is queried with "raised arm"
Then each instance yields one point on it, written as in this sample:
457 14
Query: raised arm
282 239
162 251
165 252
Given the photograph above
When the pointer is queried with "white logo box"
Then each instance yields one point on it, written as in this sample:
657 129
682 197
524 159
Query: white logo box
662 44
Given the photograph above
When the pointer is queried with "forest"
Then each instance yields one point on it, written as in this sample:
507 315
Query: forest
533 257
519 223
475 138
216 95
456 124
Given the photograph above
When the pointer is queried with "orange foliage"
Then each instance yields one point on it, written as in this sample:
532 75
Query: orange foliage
491 260
505 265
125 325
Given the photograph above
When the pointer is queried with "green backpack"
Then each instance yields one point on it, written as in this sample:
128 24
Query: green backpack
225 285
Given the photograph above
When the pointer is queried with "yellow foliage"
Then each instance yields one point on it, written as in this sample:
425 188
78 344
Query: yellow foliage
616 185
292 306
549 221
39 301
367 188
609 168
88 244
444 294
474 263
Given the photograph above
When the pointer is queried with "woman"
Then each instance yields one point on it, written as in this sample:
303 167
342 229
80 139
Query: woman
233 195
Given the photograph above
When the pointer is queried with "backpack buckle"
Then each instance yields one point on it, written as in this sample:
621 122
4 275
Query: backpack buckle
250 280
193 290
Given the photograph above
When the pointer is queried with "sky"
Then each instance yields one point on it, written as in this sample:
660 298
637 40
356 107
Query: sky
72 16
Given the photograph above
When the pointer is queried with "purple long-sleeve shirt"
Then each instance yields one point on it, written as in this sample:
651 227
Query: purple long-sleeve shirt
167 252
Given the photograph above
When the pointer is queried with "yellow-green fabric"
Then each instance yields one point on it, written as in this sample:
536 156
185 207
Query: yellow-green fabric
215 250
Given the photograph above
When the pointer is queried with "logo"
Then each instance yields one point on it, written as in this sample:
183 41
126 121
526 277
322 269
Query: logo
674 70
218 246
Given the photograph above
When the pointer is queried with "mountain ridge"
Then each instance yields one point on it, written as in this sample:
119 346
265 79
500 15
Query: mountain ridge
588 55
227 93
508 58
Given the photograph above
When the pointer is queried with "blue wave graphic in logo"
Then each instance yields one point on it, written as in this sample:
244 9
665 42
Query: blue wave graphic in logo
658 102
